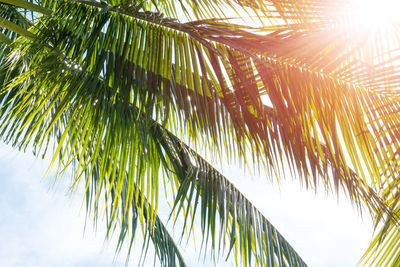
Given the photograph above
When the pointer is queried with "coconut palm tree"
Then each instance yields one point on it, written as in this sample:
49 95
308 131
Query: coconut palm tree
127 95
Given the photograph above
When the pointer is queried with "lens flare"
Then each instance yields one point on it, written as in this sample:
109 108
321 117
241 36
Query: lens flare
373 14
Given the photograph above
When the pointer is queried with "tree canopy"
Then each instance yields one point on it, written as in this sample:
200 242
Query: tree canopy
127 95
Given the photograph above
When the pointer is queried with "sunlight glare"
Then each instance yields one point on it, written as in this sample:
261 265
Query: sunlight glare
373 14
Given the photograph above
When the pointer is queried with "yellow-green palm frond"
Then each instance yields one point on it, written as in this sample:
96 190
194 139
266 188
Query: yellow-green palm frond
114 86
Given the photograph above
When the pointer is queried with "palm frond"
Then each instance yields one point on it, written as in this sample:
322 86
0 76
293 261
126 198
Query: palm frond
161 62
121 190
222 205
384 250
166 250
70 124
179 70
100 76
10 15
27 5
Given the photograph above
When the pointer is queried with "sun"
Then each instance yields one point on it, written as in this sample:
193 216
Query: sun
373 14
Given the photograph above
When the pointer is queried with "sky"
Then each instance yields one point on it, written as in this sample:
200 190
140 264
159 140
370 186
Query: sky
44 226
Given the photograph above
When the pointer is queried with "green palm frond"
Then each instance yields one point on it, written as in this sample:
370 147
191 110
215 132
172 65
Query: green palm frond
305 84
166 250
69 123
123 191
124 57
10 16
221 204
28 6
110 84
384 250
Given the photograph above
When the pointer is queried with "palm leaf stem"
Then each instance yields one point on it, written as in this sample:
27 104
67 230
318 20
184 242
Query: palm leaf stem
28 5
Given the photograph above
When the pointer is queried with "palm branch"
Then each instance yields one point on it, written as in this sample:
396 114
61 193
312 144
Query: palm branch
109 82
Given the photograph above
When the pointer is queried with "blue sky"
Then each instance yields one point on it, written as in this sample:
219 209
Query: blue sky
43 226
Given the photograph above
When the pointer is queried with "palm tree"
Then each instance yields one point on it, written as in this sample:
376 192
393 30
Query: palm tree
127 97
